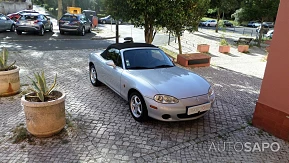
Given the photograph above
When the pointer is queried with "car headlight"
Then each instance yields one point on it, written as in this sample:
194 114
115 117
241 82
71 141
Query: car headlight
165 99
211 94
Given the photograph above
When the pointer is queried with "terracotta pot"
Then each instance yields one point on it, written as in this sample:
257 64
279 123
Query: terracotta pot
224 49
9 82
243 48
44 119
203 48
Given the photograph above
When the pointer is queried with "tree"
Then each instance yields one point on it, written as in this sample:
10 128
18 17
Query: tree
183 15
261 10
60 8
152 14
222 6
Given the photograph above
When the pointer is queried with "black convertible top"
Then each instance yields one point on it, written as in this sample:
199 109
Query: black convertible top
120 46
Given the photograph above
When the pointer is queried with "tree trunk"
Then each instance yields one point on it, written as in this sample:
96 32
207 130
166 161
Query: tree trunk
260 34
116 32
180 44
218 18
60 8
148 31
73 3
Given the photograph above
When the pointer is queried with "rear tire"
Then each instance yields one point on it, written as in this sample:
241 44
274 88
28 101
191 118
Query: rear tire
138 107
19 32
61 32
82 32
89 30
103 22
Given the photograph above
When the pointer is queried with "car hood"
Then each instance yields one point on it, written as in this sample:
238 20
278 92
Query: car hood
173 81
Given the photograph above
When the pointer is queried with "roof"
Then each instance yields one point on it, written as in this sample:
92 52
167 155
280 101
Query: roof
120 46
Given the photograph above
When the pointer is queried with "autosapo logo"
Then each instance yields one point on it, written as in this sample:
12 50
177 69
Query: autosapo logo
244 146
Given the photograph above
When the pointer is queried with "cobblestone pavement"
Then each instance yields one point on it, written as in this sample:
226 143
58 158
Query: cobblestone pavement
101 129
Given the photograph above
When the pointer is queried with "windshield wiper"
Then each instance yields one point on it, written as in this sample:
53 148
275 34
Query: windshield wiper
164 66
139 67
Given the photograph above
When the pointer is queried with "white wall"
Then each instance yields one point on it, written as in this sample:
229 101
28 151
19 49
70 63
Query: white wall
11 7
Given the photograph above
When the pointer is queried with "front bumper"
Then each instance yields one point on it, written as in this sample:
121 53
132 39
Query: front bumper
178 111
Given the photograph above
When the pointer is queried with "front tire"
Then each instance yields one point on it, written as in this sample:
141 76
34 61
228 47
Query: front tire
93 76
51 28
41 32
138 107
12 29
103 22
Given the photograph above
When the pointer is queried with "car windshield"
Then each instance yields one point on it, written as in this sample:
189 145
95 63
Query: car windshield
146 59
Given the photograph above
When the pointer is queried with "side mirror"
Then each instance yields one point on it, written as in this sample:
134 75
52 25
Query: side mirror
110 63
48 18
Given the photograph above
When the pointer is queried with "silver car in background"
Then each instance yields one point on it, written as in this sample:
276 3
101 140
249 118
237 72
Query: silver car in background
33 22
147 78
6 23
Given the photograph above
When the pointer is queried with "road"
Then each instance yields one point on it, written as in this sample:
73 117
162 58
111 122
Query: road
50 41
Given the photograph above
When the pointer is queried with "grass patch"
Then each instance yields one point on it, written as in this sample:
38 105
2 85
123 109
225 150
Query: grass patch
170 53
20 134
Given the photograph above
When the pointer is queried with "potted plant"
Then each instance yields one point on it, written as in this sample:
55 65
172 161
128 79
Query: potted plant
224 46
9 76
44 107
203 48
243 48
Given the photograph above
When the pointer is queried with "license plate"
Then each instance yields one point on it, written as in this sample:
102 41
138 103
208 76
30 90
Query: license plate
199 108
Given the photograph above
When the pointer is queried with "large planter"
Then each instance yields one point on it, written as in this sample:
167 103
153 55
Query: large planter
224 49
194 60
44 119
203 48
9 82
243 48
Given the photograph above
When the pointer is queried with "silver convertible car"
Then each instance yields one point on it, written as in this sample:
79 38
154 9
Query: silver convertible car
147 78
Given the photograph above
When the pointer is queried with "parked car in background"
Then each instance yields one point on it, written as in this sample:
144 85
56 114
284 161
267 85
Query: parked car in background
227 23
15 16
270 33
253 24
268 24
108 19
210 23
6 23
91 15
152 84
33 22
265 29
75 23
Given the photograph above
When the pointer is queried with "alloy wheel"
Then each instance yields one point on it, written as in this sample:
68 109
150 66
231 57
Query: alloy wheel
136 106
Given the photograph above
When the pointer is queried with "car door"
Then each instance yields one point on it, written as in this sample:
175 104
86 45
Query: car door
115 72
44 21
84 21
2 22
47 22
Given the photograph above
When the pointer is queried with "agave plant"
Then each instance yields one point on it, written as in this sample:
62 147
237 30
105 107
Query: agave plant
40 88
3 61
